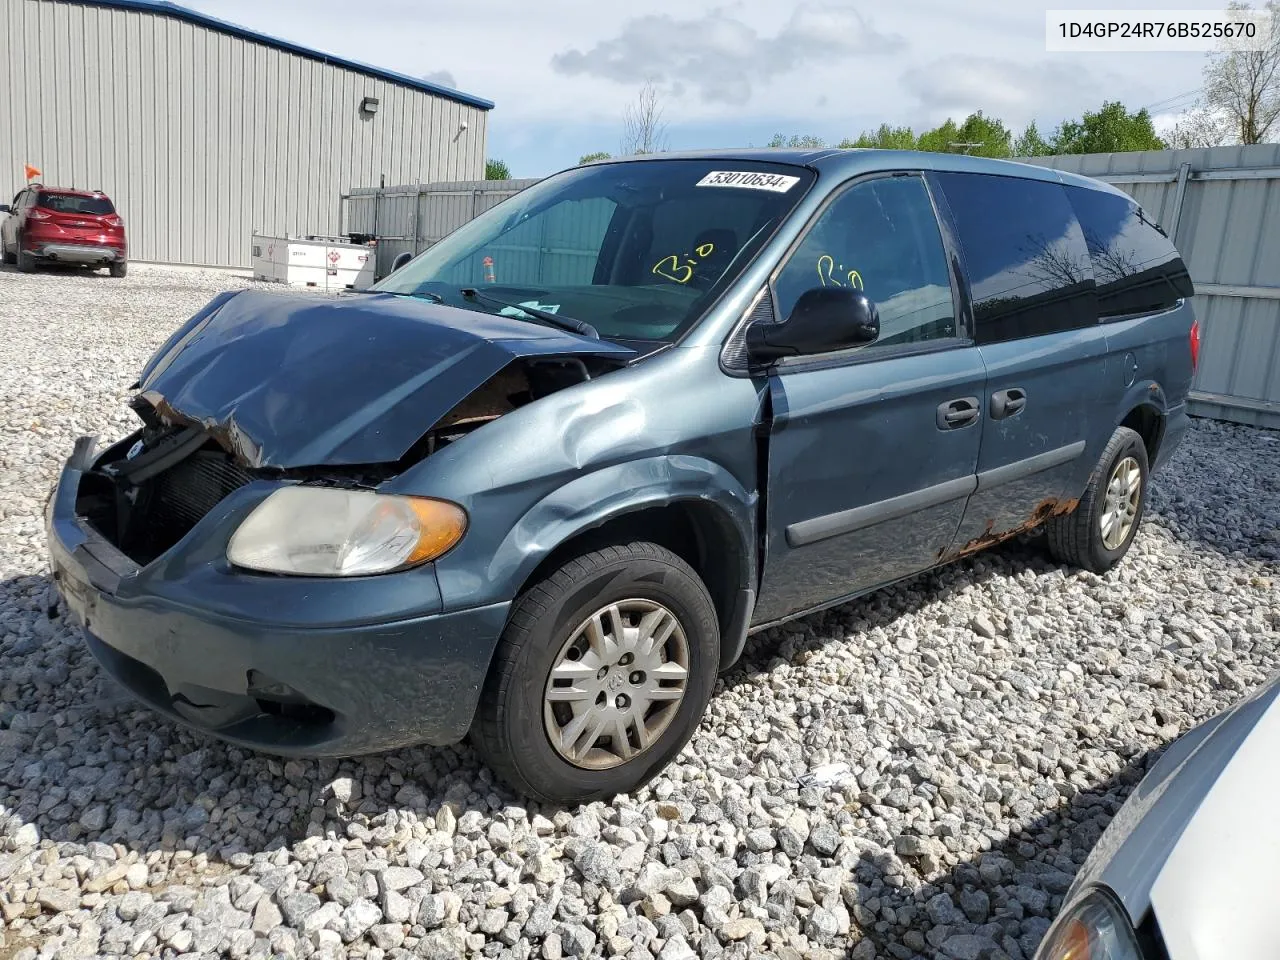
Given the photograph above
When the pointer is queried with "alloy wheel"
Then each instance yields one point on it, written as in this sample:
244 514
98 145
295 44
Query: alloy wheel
1120 506
616 684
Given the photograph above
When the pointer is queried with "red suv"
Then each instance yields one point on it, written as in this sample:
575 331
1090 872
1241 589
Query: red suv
62 226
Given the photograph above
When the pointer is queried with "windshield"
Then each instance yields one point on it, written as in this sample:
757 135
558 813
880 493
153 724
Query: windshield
639 250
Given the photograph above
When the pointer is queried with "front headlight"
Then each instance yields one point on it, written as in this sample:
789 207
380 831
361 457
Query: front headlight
328 532
1094 928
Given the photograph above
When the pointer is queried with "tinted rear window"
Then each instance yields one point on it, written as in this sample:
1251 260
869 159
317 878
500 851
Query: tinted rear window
71 203
1135 265
1028 266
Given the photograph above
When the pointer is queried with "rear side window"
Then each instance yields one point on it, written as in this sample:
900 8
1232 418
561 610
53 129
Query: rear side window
1135 265
71 203
1028 265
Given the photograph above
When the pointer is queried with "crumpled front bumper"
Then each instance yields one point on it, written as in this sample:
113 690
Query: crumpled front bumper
296 666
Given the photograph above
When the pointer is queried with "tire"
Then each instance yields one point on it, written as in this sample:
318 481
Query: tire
118 268
1078 538
5 255
515 720
26 262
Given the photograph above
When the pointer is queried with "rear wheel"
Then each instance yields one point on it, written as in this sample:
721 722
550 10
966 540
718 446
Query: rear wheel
601 677
1098 533
118 268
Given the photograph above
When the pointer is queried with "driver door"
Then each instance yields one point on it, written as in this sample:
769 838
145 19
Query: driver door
873 450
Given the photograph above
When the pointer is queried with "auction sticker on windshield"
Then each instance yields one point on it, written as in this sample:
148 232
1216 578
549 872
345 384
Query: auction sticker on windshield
777 182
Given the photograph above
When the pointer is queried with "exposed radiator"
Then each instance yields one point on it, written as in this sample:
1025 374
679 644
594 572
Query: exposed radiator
186 492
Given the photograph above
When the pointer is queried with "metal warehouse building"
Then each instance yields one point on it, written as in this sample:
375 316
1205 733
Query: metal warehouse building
203 132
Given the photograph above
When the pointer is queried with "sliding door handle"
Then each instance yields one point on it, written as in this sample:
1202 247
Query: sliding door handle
957 413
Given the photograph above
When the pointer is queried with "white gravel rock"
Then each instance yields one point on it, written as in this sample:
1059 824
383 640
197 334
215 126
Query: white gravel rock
919 773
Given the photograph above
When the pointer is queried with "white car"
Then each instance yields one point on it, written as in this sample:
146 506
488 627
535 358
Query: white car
1185 871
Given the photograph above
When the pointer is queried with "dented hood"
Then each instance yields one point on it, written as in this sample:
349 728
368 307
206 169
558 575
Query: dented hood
293 381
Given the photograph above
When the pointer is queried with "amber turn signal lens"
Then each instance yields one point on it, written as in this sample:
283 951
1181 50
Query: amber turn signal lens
441 525
1075 942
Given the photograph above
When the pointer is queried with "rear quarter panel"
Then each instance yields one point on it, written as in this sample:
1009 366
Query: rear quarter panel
1149 359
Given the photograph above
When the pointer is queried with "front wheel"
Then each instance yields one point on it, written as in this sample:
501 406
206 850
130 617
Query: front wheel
1098 533
601 677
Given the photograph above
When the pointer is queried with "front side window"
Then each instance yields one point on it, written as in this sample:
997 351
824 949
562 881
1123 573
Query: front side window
881 237
1028 267
639 250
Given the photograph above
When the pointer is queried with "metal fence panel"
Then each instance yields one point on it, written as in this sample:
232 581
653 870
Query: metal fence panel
1227 227
414 216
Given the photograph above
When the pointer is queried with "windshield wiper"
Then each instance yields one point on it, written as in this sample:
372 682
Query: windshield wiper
546 316
422 294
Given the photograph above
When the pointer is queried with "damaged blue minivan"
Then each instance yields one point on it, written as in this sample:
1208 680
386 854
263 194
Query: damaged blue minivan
538 485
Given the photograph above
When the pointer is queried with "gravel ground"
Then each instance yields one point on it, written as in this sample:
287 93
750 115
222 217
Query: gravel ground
994 715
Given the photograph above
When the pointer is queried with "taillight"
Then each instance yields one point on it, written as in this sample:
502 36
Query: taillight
1195 345
35 214
114 222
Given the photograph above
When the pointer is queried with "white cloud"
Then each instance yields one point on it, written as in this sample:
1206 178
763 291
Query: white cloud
723 58
442 77
1015 92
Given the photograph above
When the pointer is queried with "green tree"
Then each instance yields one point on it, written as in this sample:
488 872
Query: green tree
1031 144
979 135
808 141
939 139
1111 129
598 155
884 137
496 170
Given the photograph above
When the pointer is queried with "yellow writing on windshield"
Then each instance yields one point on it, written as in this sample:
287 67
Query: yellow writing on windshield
671 268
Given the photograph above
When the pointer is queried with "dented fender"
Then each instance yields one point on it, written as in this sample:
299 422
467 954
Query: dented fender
664 430
1142 393
615 491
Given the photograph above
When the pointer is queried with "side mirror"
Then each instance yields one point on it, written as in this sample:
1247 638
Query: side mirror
823 319
4 208
400 260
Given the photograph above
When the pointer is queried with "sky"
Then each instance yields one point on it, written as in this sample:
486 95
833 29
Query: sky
562 72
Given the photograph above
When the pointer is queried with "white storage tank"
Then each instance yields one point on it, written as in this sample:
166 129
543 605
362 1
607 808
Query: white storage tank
323 263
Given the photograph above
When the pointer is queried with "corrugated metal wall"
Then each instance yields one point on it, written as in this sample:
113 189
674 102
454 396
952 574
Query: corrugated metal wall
1222 207
202 138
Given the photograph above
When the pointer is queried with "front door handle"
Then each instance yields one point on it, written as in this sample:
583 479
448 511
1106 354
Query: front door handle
1007 403
957 413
